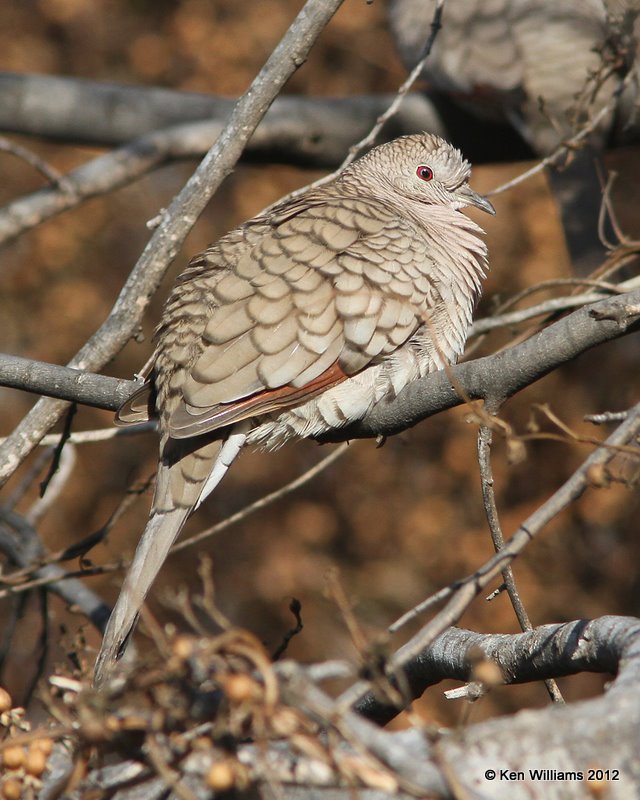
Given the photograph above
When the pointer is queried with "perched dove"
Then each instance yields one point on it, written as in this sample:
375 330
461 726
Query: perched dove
298 322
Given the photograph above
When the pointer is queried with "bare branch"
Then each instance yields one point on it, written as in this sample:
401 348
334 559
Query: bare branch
551 306
19 540
352 754
262 502
497 377
492 378
485 439
64 383
163 246
309 131
34 160
469 588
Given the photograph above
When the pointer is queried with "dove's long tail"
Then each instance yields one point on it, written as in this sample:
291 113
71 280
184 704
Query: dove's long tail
165 523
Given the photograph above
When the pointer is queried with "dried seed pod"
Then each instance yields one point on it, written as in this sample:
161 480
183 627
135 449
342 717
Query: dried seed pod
13 757
489 673
285 722
240 688
45 745
202 743
35 762
183 647
94 731
221 776
12 789
5 701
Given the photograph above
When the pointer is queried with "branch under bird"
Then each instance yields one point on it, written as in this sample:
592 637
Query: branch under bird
298 322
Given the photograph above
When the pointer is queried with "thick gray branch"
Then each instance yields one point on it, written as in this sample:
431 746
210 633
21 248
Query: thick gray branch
310 131
550 651
64 383
497 377
600 733
313 131
493 378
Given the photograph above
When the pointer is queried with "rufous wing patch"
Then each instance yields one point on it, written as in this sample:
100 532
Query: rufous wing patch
183 423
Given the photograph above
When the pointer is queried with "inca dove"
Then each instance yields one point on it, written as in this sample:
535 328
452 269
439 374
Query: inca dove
297 322
547 67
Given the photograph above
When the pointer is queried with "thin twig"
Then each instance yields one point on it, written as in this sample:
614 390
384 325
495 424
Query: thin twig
66 464
569 144
164 771
42 649
369 139
90 571
264 501
53 175
20 541
413 613
485 437
181 215
27 479
97 435
553 305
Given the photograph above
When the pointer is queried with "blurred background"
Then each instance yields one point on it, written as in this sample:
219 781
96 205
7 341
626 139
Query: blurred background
398 522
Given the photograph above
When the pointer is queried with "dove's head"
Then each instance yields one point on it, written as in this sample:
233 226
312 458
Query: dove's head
421 168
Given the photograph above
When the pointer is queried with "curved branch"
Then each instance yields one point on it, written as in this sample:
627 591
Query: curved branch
314 131
20 541
493 378
161 249
309 131
549 651
597 733
498 377
104 174
592 735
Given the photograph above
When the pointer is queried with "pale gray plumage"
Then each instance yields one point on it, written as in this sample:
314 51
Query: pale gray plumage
300 320
532 62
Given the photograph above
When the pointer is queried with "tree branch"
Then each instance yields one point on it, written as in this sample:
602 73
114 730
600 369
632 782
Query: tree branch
161 249
498 377
20 542
64 383
464 591
309 131
353 753
492 378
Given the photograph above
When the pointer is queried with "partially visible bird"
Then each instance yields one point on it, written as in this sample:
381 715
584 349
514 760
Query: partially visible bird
546 67
298 322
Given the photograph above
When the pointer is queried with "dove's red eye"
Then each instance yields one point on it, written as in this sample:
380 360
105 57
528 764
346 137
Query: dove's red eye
424 172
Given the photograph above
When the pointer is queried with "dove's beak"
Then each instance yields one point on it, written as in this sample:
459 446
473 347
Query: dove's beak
471 198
